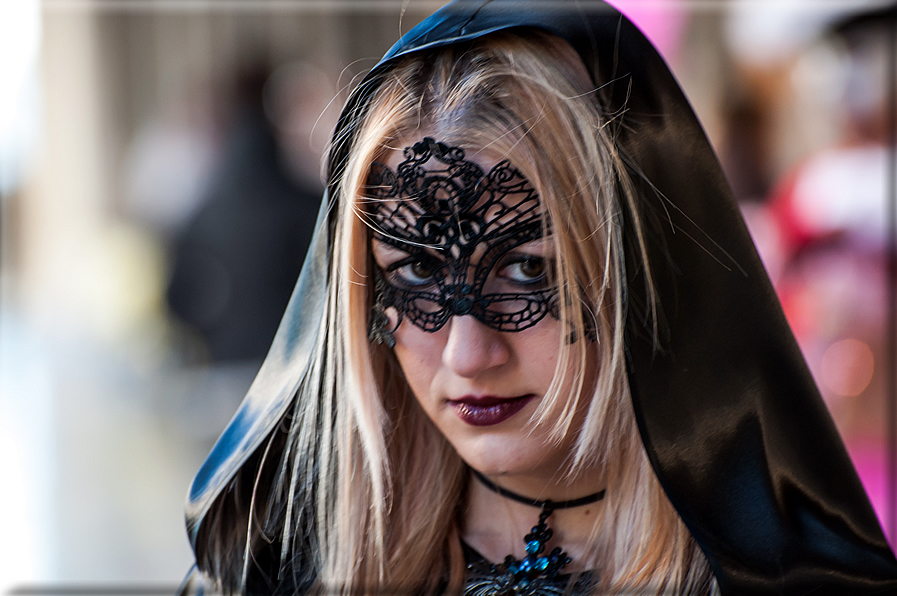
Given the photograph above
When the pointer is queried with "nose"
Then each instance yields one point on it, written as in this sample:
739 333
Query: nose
473 348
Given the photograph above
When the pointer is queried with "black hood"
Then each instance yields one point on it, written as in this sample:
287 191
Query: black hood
728 413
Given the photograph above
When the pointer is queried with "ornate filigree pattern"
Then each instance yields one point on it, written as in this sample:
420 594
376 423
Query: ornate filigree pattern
461 221
506 579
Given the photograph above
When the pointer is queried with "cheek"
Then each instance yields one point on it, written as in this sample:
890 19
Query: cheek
419 354
537 348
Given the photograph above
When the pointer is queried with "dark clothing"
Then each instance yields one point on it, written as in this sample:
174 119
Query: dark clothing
236 261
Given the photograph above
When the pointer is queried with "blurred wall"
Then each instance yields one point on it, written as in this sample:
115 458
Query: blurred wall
116 400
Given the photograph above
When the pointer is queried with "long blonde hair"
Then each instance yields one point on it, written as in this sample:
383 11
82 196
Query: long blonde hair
352 455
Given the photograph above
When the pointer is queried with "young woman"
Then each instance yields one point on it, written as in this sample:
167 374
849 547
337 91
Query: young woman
532 350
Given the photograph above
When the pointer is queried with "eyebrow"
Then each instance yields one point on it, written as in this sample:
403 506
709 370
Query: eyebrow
386 250
379 247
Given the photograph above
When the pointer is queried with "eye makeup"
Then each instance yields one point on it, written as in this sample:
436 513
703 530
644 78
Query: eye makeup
454 239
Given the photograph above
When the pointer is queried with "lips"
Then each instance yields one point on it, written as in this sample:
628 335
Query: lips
487 410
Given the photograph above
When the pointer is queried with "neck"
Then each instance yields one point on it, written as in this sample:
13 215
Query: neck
547 505
494 524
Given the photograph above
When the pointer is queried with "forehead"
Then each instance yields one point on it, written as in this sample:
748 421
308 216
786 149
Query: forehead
434 194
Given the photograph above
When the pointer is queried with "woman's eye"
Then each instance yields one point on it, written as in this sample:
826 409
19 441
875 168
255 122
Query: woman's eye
524 270
412 271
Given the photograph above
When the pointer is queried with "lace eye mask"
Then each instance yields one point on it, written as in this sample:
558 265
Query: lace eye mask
463 231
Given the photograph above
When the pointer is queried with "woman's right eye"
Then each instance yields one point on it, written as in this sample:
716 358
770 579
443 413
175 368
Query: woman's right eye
413 271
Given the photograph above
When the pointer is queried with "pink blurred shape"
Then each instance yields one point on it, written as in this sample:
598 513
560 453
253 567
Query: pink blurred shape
662 21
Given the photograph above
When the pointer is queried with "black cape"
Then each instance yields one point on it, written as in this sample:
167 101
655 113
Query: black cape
731 420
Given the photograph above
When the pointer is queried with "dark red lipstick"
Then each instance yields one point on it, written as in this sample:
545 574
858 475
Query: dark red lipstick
486 410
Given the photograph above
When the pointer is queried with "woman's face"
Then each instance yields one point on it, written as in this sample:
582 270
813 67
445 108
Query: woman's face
475 338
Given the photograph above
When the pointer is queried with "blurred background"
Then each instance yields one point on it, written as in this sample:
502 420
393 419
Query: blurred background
160 174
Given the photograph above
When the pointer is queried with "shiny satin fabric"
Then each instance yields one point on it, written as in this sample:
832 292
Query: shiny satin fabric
731 420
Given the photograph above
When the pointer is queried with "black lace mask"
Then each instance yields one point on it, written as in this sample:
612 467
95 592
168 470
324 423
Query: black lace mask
462 229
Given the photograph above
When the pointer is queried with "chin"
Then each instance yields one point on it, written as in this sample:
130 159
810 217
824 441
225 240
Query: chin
507 460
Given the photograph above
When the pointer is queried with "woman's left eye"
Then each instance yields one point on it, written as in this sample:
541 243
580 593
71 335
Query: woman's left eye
524 270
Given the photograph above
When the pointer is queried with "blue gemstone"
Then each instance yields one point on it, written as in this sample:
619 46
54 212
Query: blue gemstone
533 547
525 565
542 564
514 568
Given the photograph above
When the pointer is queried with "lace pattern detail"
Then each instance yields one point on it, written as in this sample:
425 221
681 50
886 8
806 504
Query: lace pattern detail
460 220
487 579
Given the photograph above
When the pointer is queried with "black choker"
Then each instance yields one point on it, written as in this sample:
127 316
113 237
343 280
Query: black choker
516 576
553 505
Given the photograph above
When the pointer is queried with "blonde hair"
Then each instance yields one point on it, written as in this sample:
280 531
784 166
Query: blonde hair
352 452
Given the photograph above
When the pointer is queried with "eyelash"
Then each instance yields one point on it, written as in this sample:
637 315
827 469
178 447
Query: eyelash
393 270
395 275
523 259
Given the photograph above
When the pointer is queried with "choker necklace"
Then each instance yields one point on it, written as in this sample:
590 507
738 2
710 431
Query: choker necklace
527 576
